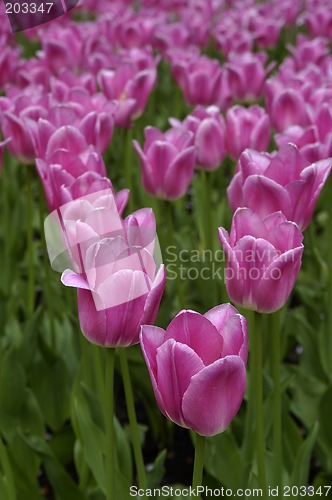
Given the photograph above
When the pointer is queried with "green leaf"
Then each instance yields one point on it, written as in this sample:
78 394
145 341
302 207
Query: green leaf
224 460
300 472
12 384
93 442
157 471
49 381
62 484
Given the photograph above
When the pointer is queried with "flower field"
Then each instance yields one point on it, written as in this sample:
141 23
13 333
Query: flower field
166 249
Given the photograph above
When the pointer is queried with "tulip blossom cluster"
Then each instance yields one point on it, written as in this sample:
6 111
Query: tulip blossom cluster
60 107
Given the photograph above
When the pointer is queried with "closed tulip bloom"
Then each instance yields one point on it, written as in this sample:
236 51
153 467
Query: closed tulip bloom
315 141
130 88
285 181
198 367
208 127
198 78
167 162
121 287
288 108
246 75
263 259
246 128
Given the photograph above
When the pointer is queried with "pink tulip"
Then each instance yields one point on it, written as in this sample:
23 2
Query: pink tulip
64 159
208 127
198 77
308 52
121 287
130 88
288 108
314 142
246 128
246 75
319 21
198 367
21 145
263 259
167 162
9 61
285 181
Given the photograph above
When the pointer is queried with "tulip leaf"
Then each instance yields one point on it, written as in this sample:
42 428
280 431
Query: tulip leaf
157 471
12 383
62 484
300 472
224 460
49 382
325 431
93 439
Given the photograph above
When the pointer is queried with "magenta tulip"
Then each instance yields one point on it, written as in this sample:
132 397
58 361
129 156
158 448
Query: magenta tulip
198 77
198 367
208 127
246 75
120 287
285 181
130 88
263 259
314 142
167 162
246 128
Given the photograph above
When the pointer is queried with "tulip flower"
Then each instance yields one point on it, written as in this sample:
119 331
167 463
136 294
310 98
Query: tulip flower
198 77
263 259
246 128
288 108
285 181
246 75
130 88
208 127
198 367
119 286
315 141
167 162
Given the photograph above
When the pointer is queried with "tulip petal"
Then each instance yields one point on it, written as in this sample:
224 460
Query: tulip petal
196 331
232 327
214 396
179 174
152 337
176 365
265 196
69 278
278 281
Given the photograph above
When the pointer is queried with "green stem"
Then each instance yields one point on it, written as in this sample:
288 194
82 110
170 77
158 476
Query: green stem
128 165
109 424
8 474
277 423
199 461
99 376
170 241
132 419
209 239
249 438
31 271
256 346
